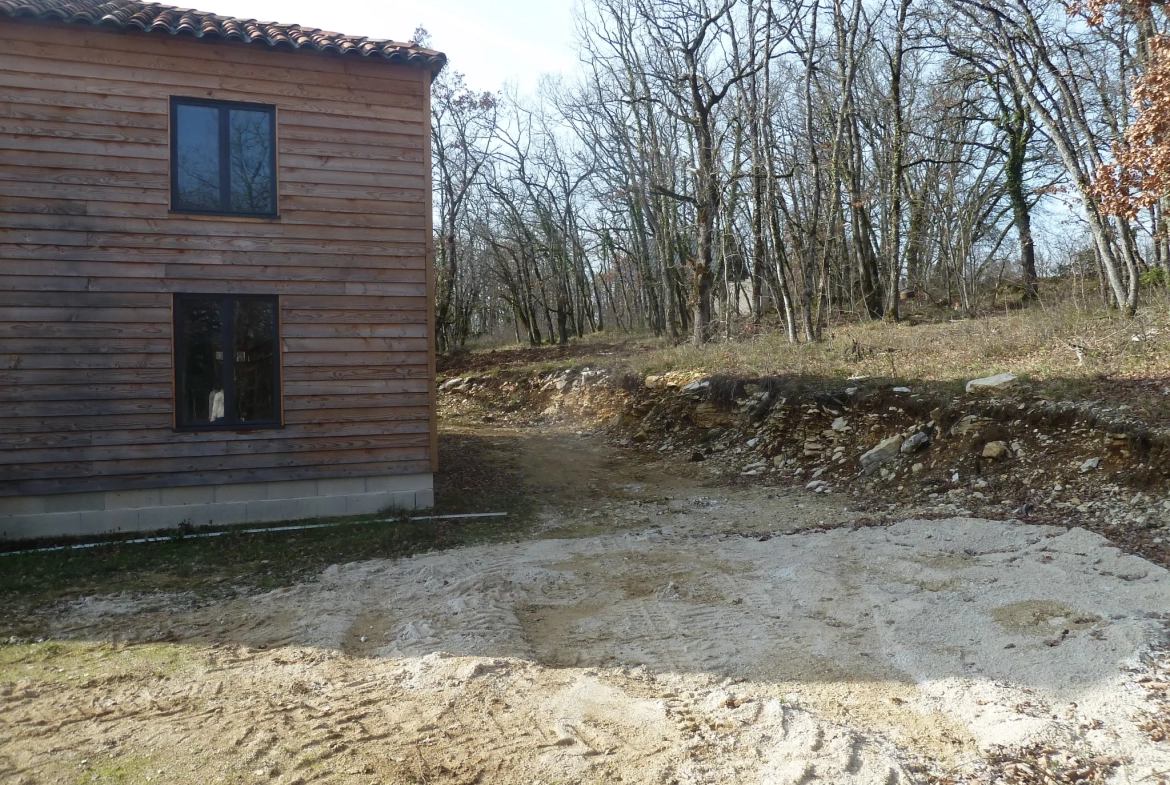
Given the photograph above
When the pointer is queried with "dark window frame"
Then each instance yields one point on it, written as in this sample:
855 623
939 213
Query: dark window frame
224 156
228 328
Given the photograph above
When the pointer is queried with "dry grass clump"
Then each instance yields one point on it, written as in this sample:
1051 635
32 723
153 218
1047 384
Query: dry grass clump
1070 350
1063 341
1065 352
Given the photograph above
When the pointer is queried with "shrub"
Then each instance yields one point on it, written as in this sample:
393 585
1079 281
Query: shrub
1152 278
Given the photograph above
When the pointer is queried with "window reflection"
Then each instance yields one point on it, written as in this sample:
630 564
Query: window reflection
201 371
197 171
249 143
224 157
255 345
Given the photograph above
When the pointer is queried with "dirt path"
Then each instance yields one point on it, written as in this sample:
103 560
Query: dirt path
659 630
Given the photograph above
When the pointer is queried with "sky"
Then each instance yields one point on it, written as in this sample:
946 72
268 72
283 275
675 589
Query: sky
490 41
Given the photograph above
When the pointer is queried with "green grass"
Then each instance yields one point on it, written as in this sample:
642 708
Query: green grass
119 771
70 661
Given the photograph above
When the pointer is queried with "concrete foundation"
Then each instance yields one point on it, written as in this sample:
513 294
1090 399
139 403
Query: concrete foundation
79 514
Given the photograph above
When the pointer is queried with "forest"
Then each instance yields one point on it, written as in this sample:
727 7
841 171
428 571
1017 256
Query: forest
721 168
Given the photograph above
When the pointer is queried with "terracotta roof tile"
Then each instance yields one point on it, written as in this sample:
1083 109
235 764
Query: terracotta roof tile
154 18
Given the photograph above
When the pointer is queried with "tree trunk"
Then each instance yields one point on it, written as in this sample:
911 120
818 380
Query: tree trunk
1022 215
704 278
896 167
809 256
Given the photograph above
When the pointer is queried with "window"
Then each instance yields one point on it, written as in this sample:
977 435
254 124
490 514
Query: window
223 157
227 361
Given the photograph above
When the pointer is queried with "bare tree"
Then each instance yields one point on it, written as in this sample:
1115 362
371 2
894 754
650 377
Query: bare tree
463 130
694 71
1034 42
721 165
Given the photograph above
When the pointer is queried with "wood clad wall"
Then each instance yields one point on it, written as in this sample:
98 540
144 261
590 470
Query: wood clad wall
90 256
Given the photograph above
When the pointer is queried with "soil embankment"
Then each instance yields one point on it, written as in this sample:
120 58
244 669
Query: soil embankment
1009 455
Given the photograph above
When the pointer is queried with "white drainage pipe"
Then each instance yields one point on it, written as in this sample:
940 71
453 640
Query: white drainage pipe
302 527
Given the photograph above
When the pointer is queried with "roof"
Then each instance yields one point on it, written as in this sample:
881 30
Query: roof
135 15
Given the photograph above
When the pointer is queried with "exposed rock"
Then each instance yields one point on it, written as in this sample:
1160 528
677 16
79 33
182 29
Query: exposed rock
840 424
991 385
995 450
901 389
1090 465
885 451
915 443
669 380
969 424
703 415
752 401
695 386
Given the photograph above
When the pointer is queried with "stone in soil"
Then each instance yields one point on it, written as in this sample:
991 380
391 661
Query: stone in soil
887 450
995 450
991 385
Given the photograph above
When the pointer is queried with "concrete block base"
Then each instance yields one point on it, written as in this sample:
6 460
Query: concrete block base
82 514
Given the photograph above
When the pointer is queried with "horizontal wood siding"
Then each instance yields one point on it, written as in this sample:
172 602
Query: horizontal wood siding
90 257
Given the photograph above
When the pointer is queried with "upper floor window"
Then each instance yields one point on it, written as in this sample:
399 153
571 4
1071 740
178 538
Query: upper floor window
223 157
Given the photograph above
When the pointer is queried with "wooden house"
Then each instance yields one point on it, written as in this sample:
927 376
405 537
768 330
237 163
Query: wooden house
215 278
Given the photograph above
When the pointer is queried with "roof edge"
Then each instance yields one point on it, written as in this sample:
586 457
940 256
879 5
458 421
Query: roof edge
138 16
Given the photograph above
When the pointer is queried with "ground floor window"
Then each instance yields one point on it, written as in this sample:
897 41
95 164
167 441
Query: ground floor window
227 361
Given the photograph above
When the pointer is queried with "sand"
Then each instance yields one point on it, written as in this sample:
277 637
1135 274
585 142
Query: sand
659 655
